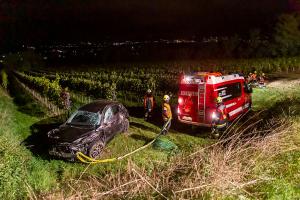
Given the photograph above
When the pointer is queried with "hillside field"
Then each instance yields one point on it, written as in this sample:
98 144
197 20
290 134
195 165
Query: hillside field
263 162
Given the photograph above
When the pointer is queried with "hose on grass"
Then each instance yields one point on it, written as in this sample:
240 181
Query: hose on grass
163 144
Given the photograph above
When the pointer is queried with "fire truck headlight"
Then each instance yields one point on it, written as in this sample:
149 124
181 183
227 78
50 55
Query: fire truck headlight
180 100
214 115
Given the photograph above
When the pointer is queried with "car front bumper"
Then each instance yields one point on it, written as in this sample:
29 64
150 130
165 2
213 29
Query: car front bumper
65 151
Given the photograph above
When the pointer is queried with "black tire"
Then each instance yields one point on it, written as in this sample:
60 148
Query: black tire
95 149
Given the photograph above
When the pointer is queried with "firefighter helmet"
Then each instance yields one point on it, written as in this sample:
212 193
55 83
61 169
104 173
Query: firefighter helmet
149 91
219 99
166 98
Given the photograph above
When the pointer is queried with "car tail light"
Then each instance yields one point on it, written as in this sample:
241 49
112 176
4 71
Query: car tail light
180 100
214 115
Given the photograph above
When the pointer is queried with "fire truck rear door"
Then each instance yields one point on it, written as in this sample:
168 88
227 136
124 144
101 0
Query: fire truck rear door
189 106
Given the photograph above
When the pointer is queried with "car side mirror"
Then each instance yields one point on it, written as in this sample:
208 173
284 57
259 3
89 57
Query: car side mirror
97 128
248 88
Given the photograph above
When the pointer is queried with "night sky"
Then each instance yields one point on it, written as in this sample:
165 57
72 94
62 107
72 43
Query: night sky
90 20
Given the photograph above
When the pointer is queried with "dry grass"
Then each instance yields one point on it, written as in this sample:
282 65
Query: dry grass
225 168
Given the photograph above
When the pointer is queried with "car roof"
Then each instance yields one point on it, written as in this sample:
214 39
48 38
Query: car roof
97 106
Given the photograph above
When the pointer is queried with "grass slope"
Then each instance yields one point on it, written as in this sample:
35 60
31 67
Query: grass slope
282 172
20 172
43 174
24 173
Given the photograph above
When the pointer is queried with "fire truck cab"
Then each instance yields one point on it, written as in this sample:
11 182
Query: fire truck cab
198 92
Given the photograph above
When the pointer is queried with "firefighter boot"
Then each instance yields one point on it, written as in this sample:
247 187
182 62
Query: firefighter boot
215 133
146 116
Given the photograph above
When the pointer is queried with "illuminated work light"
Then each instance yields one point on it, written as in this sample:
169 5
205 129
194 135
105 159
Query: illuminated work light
187 79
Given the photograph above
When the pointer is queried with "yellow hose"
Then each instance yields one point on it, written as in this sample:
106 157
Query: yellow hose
89 160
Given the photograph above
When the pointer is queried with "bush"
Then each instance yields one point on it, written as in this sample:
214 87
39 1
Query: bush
45 86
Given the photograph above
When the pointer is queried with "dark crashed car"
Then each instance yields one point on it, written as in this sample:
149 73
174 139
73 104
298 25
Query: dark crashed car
88 130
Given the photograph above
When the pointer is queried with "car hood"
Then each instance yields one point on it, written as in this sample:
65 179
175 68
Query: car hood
69 133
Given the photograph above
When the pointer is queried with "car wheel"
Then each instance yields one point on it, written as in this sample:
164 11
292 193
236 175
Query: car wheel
96 149
125 126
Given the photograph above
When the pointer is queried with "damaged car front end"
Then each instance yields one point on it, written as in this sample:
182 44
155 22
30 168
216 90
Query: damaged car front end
68 150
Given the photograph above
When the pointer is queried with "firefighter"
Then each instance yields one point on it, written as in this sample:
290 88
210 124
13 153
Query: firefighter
249 78
219 121
261 81
148 104
65 99
254 77
166 114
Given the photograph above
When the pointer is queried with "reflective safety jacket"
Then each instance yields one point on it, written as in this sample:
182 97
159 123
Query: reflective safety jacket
166 112
253 77
221 113
261 80
148 102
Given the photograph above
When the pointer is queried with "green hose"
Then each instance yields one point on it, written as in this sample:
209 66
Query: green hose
162 143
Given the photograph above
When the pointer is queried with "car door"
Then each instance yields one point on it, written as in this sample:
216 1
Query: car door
247 90
107 123
111 122
117 122
232 97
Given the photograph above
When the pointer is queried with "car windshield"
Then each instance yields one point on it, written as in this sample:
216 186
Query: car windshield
81 117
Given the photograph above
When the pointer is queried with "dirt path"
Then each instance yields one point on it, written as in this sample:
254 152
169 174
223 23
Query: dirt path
285 83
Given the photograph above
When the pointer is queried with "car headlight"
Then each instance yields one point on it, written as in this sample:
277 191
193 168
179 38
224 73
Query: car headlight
52 133
76 148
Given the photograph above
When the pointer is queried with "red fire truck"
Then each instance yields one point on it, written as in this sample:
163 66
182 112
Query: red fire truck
198 91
